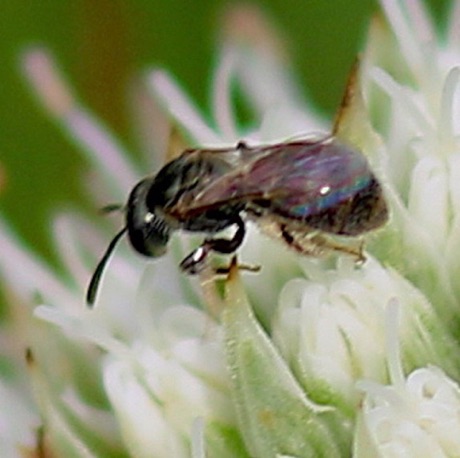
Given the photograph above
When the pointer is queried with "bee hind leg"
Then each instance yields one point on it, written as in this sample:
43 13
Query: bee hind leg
318 245
195 262
356 250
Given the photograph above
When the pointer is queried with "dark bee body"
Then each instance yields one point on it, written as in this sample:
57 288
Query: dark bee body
323 184
301 192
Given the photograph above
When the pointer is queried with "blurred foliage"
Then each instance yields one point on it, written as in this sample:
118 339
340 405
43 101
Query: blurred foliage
102 44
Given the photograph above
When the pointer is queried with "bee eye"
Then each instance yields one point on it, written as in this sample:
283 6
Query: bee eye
150 236
147 231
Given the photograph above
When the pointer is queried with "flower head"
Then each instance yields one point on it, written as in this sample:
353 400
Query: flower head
305 358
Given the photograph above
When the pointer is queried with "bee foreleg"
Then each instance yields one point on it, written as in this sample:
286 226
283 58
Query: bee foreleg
195 262
227 246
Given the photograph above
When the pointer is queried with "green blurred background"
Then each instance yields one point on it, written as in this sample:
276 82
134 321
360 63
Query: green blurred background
102 44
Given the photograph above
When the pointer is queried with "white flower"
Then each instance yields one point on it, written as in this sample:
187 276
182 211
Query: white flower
414 416
164 366
18 424
331 329
413 99
419 417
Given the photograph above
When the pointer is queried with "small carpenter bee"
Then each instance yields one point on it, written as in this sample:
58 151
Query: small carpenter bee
301 192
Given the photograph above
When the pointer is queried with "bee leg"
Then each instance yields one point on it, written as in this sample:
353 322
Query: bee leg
356 250
227 246
318 245
195 262
309 244
225 270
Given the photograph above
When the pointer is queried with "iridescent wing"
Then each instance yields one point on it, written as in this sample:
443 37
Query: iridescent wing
318 183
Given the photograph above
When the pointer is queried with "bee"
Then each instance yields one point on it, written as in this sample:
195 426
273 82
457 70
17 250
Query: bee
306 193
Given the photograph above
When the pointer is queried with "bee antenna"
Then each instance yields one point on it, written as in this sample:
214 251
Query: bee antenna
110 208
97 275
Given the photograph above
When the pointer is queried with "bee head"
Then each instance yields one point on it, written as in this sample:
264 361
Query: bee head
148 232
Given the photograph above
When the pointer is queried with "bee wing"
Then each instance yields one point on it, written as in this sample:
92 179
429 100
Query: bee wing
296 179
